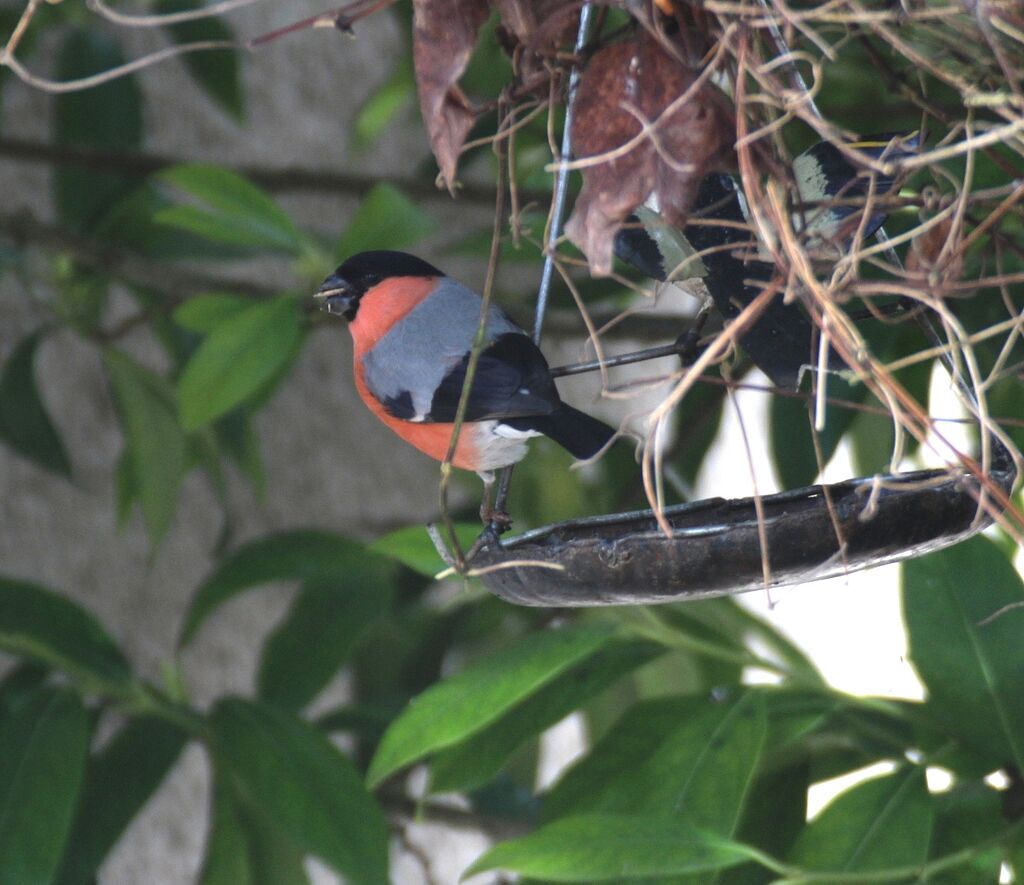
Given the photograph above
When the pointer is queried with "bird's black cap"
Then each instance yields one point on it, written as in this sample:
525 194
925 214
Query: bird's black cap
342 290
368 268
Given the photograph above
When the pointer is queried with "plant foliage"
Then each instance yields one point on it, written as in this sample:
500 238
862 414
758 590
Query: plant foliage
689 773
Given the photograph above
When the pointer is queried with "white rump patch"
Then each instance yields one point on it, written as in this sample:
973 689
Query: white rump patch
511 432
499 445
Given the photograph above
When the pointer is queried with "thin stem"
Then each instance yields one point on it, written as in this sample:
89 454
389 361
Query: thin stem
147 700
163 19
479 341
555 219
79 84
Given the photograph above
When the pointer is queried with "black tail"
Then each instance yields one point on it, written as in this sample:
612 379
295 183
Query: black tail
576 432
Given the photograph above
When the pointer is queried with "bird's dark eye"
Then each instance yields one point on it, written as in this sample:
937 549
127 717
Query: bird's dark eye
372 279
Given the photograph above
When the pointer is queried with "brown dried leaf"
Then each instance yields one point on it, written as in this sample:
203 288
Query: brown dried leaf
540 25
926 251
444 36
518 17
624 84
532 32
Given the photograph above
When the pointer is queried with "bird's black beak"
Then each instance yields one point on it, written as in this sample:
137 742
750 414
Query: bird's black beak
338 296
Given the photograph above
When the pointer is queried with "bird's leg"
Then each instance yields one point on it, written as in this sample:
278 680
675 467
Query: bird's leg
496 521
485 503
688 344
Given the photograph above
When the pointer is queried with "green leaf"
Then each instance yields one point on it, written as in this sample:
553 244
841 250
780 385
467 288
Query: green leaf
154 441
606 847
964 614
245 847
227 860
322 626
214 71
305 785
204 313
303 555
237 360
120 780
678 256
708 651
832 735
869 430
792 435
234 211
230 231
238 440
367 721
727 616
385 219
38 624
176 342
488 71
672 757
43 750
104 117
636 735
20 685
871 439
24 423
397 92
476 760
132 224
412 547
1003 398
462 705
774 814
878 824
872 434
969 814
82 295
853 96
276 858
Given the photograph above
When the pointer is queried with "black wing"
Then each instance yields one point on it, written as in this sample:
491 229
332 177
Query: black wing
634 245
511 380
781 339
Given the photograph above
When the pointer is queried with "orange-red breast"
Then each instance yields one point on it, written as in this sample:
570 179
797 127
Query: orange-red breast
413 329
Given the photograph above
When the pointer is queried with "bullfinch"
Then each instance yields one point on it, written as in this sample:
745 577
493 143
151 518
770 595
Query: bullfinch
413 329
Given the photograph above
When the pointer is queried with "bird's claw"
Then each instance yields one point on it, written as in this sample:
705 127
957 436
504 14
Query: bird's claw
497 522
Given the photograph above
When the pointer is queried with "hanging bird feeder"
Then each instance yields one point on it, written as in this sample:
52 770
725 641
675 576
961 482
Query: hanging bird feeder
717 546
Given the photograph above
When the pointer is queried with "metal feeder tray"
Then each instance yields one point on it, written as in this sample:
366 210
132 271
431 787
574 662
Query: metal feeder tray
715 548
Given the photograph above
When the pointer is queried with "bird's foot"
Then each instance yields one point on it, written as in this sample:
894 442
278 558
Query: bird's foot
497 521
688 344
689 348
494 518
